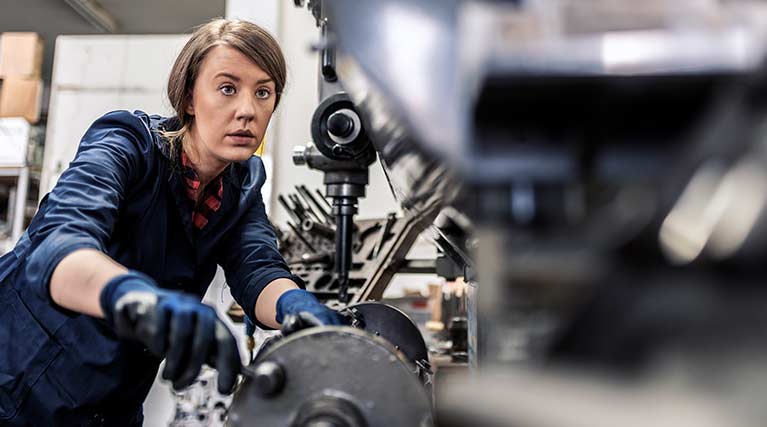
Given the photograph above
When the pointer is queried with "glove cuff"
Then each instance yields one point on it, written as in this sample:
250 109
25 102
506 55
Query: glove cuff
119 286
289 298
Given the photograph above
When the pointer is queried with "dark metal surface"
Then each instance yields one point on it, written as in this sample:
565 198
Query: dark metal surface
341 150
609 156
331 369
404 233
480 92
393 325
356 148
406 53
378 251
415 67
315 264
381 49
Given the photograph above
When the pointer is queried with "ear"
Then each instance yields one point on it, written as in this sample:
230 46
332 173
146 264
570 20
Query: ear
190 104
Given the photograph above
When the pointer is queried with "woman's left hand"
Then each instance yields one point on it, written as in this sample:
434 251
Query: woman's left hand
299 309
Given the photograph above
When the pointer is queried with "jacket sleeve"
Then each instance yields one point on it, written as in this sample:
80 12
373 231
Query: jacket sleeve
251 260
81 210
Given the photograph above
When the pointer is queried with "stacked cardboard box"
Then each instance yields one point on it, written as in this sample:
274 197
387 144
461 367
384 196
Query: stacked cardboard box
21 90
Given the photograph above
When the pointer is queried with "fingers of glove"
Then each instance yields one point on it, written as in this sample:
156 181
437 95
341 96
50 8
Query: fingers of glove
227 359
323 315
328 317
202 345
309 320
296 322
291 324
155 330
131 311
295 301
179 341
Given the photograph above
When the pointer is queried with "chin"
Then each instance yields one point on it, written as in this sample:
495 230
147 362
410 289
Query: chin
239 154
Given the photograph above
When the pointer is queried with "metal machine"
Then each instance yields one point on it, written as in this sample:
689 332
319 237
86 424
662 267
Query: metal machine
341 376
597 170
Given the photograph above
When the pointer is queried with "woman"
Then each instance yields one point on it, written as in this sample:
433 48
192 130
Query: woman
107 280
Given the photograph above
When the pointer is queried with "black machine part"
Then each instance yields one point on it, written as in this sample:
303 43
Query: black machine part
342 150
333 376
338 131
393 325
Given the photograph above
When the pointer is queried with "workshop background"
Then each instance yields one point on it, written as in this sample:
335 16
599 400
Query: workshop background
65 63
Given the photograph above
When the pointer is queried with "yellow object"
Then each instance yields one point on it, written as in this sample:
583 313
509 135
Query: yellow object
261 148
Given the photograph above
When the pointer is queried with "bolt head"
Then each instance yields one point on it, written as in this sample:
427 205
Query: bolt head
269 378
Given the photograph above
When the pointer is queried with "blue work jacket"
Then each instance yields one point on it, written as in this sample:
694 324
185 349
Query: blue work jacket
123 195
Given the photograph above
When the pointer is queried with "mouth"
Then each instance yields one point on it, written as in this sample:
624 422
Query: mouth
242 137
242 134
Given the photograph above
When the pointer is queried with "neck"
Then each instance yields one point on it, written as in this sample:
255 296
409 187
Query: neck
206 166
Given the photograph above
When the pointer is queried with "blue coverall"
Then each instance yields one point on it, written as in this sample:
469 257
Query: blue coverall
123 195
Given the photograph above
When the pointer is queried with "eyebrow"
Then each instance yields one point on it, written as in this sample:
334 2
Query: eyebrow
237 79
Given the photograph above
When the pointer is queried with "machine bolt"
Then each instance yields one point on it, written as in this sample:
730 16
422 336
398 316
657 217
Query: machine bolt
299 155
340 124
338 150
269 378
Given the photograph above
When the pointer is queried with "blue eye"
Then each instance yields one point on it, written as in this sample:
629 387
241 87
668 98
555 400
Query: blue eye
227 90
263 93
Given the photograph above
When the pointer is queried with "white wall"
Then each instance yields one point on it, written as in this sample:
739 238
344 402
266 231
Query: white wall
93 75
262 12
291 121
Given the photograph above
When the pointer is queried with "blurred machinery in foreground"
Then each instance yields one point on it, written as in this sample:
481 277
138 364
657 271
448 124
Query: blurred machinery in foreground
596 168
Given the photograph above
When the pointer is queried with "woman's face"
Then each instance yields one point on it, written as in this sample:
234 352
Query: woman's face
232 102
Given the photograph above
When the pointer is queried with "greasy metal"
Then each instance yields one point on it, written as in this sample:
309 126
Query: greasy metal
308 195
379 248
336 362
390 219
268 378
355 149
404 233
395 326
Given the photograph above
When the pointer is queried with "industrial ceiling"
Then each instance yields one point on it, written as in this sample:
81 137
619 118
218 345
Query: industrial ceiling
51 18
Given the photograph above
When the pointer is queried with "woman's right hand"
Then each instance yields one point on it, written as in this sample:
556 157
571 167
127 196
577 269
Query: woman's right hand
172 325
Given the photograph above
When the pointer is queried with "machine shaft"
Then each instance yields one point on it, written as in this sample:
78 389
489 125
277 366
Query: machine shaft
344 209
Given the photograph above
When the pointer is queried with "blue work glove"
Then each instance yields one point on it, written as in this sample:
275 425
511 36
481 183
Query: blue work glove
298 309
172 325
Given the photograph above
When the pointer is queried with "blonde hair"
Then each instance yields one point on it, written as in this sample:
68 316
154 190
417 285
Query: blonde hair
248 38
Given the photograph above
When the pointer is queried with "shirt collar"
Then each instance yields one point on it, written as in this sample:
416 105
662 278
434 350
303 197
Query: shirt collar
192 178
234 173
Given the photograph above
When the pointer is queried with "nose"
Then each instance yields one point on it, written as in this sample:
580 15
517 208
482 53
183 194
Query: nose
246 109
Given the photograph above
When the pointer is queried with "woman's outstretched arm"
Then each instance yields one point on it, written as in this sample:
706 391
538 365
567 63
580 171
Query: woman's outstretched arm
77 281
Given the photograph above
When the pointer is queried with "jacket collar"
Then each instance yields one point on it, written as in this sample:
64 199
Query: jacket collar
158 125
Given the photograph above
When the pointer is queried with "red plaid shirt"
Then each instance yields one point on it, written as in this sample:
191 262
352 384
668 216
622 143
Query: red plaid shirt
211 199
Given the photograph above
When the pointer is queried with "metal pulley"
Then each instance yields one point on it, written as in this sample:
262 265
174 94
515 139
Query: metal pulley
391 324
332 376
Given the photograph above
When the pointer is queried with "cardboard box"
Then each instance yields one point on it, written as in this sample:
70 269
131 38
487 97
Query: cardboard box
14 140
21 98
21 55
